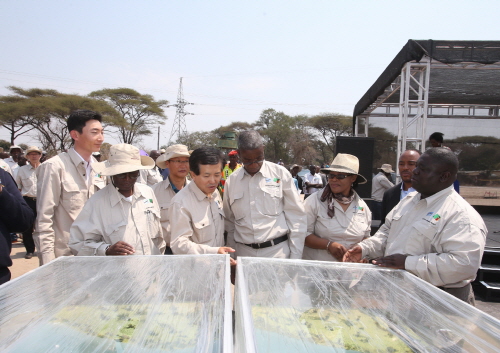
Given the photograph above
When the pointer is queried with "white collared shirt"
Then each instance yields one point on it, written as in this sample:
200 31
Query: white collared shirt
442 235
405 192
26 180
88 167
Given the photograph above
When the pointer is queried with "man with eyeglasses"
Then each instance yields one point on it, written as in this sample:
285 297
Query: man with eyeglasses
124 217
176 159
407 162
264 215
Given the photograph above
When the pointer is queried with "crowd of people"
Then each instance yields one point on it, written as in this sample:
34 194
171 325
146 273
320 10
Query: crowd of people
178 201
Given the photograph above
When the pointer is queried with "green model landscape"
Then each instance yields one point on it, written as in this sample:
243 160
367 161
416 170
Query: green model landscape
351 330
174 326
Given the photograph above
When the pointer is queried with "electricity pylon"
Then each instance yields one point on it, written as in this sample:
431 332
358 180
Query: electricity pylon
179 126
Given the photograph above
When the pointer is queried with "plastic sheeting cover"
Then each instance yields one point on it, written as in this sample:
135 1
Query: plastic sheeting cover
311 306
119 304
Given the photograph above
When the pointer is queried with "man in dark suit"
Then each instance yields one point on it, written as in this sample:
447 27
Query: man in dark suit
407 162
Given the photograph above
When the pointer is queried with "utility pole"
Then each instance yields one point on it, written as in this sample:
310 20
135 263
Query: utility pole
158 144
179 126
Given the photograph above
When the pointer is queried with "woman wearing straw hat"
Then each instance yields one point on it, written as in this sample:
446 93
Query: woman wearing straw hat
124 217
336 216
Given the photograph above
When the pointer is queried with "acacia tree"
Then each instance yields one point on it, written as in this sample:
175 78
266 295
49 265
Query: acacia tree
330 125
276 127
140 112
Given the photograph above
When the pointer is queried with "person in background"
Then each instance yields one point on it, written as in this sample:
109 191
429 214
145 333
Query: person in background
64 184
229 168
406 165
380 183
124 217
322 175
26 182
197 208
436 140
4 165
296 177
15 216
15 154
176 159
152 176
312 181
337 217
99 180
433 233
264 214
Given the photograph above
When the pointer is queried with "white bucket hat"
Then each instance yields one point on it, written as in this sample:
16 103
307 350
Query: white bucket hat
345 163
33 149
123 158
172 152
386 168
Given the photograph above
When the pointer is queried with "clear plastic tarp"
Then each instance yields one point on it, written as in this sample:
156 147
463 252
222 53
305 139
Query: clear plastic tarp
311 306
120 304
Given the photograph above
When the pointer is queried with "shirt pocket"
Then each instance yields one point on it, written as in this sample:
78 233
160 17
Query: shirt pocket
202 234
116 231
164 210
270 204
71 197
420 240
237 206
153 222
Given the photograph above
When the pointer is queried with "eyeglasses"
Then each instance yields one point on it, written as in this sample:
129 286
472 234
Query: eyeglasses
338 176
180 162
127 175
258 161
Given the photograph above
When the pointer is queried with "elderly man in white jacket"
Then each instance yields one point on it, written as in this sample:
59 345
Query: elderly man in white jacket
124 217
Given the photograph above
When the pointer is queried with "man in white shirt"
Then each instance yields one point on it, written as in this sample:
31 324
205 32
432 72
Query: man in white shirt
64 183
434 234
312 181
264 214
176 159
15 153
151 176
124 217
380 183
26 182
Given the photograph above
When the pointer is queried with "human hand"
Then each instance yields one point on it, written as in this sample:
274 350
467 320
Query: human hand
353 254
226 250
120 248
337 250
396 261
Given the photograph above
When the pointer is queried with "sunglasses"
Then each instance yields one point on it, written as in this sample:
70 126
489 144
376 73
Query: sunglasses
338 176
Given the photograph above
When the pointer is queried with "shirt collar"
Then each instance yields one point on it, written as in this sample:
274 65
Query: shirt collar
115 195
77 159
200 195
431 199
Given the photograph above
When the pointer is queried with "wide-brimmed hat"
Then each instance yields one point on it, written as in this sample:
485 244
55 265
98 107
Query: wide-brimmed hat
123 158
172 152
345 163
13 147
386 168
295 166
33 149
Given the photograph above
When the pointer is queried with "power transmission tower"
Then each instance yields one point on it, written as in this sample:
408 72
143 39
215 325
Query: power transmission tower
179 126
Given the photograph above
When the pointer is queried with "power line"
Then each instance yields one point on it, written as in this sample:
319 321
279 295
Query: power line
179 122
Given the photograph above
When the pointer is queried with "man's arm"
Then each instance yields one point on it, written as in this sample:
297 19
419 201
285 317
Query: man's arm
15 214
48 197
295 217
462 246
229 217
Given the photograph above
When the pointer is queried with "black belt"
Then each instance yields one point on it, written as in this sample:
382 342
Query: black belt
268 243
31 198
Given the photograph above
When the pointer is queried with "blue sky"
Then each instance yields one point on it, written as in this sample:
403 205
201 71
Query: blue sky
237 57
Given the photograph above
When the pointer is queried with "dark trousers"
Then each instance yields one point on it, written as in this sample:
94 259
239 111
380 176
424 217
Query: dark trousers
376 210
4 275
28 241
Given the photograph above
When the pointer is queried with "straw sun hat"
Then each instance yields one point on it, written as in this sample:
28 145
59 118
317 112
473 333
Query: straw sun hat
345 163
123 158
172 152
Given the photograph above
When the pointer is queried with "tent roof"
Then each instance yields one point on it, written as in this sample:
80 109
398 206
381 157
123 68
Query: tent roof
454 79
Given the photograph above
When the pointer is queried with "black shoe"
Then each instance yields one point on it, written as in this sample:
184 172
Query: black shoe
28 255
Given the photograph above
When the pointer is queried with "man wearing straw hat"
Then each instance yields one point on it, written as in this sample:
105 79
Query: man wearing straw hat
380 184
176 159
124 217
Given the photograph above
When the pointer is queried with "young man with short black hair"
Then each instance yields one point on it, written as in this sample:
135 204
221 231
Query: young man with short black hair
64 184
